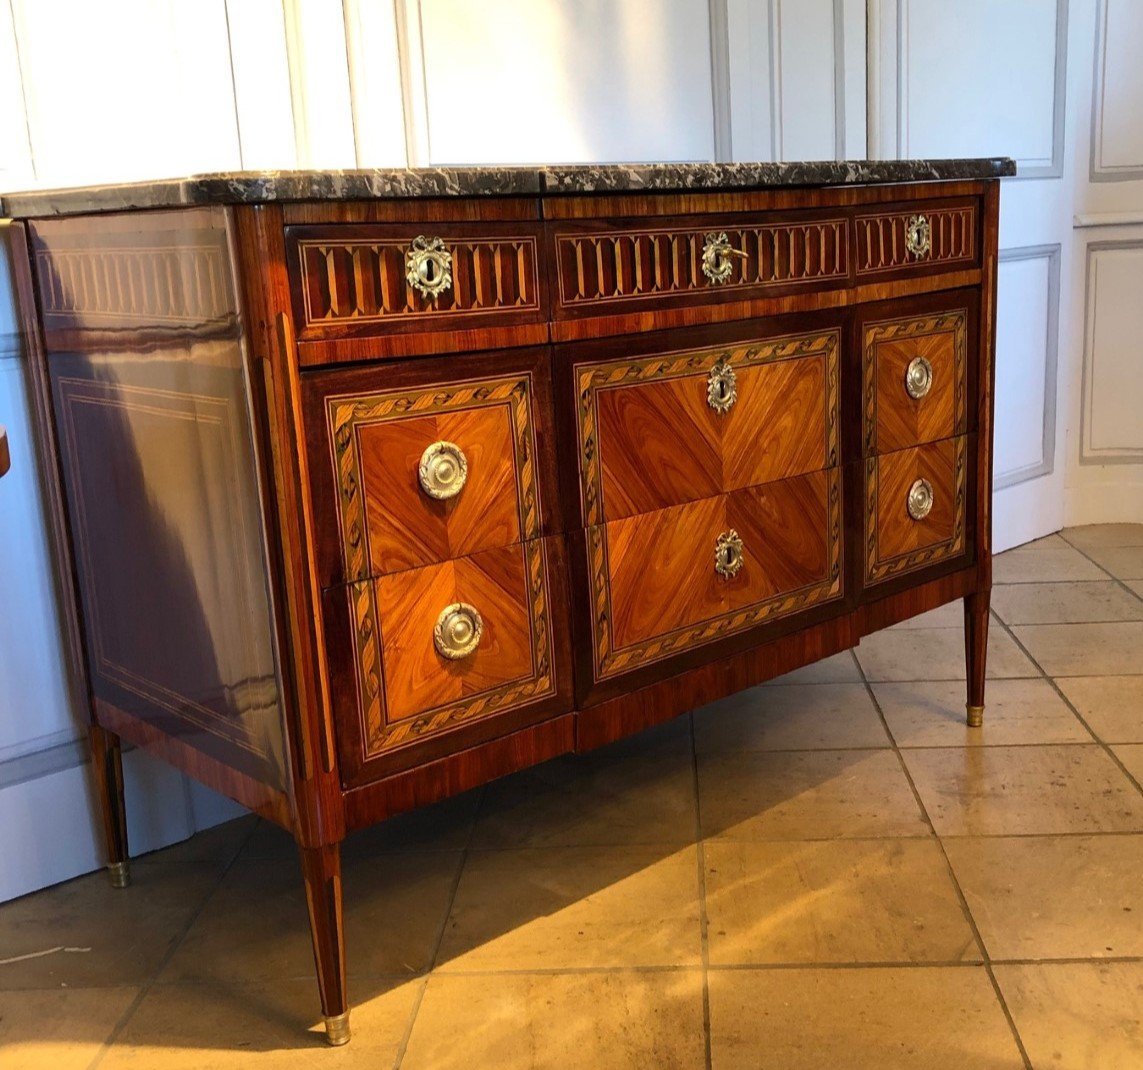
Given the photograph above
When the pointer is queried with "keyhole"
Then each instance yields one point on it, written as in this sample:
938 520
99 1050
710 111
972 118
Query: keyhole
429 271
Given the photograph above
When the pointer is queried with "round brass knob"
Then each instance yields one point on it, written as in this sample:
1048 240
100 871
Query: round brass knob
728 554
918 236
717 257
443 470
721 386
920 499
428 266
458 630
918 378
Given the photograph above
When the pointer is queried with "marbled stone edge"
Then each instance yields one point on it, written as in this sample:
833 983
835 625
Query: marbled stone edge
244 187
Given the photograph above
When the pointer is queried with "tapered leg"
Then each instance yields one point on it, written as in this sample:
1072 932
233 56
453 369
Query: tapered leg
321 867
976 652
107 767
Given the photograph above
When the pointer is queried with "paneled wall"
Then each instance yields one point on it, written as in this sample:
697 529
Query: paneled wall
146 88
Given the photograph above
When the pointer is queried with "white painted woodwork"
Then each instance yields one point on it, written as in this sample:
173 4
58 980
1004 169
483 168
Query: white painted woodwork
1117 132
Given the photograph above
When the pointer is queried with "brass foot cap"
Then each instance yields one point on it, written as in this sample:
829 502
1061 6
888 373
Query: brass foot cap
975 716
337 1029
120 874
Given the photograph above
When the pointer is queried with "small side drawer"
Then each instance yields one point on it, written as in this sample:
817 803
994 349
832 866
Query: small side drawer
915 507
379 278
915 378
917 238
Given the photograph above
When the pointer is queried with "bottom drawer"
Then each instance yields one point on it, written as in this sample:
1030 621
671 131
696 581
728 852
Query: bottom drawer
470 643
915 507
666 581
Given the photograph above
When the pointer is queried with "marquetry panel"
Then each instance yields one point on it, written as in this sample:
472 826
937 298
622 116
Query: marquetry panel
895 542
407 691
598 268
893 419
355 279
649 437
654 587
387 522
880 242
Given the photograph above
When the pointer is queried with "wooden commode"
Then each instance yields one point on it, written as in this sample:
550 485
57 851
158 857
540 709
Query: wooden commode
370 487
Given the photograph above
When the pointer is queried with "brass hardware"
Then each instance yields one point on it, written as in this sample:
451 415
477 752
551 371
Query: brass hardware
428 266
443 470
975 716
120 873
920 499
337 1029
458 631
728 554
918 236
717 251
918 378
721 386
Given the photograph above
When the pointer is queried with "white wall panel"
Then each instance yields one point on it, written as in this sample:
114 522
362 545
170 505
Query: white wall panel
527 81
1117 132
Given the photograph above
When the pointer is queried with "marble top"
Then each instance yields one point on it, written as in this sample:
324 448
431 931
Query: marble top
260 187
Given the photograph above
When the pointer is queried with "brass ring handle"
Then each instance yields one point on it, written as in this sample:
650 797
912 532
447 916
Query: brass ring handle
918 378
717 254
729 555
721 386
918 236
920 499
428 266
443 470
458 631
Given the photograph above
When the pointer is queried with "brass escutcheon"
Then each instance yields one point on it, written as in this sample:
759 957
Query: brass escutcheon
458 631
728 554
918 236
920 499
428 266
717 257
443 470
721 386
918 378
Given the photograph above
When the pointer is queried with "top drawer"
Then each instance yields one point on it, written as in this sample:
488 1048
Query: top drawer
918 238
352 279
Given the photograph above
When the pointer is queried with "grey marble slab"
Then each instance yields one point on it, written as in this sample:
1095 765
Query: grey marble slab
261 187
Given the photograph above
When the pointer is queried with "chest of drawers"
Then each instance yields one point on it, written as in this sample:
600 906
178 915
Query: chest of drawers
368 488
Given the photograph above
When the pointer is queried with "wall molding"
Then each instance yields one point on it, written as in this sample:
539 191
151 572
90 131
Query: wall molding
34 764
720 80
1088 455
1047 463
1097 172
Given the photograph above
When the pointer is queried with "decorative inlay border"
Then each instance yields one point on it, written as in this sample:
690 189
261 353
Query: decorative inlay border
896 329
878 569
610 660
381 737
348 414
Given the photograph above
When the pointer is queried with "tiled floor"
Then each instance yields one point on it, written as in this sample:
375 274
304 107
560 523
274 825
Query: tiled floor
827 871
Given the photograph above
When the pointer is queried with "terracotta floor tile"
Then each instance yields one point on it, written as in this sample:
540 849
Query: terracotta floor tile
932 714
920 1018
1131 755
574 907
838 669
794 717
1050 558
936 654
1064 603
857 901
1123 562
234 1026
1078 1016
61 1029
1136 586
1085 649
1040 897
640 790
804 795
218 844
597 1021
1111 705
85 932
1098 535
255 928
985 791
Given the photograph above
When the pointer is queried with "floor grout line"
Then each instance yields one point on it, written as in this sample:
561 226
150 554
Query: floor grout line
704 921
1106 571
961 897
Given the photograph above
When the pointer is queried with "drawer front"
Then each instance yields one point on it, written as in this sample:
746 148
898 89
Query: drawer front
353 279
915 507
430 472
438 649
663 430
916 238
602 269
915 376
666 581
